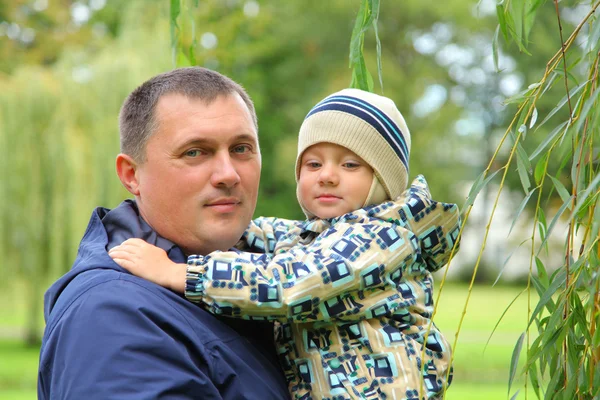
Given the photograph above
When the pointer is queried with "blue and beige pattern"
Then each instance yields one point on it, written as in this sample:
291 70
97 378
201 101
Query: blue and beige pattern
352 296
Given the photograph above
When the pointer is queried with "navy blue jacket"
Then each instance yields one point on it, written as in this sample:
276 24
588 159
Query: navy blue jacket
112 335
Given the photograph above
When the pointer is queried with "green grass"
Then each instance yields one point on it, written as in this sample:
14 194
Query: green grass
480 372
481 369
18 370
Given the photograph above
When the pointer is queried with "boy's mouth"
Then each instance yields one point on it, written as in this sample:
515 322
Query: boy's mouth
328 198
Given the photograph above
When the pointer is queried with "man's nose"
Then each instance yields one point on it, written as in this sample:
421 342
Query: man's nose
329 175
224 172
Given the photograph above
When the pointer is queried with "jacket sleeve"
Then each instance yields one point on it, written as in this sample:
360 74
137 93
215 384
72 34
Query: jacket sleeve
435 224
103 347
263 233
323 280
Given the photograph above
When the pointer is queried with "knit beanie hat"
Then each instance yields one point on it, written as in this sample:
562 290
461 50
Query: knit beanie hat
369 125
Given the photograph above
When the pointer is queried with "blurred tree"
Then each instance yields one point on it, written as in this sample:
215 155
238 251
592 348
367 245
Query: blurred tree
62 91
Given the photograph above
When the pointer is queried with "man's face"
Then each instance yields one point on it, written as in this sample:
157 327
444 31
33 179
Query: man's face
199 183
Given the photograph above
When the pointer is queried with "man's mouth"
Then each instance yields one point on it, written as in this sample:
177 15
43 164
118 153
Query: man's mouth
224 205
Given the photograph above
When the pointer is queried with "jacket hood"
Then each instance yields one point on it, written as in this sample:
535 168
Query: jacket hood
106 229
436 224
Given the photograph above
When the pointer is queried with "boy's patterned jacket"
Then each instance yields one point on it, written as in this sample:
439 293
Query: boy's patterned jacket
354 295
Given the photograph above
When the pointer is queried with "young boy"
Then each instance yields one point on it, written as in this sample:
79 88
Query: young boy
352 285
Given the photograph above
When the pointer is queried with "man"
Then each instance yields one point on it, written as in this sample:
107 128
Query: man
190 156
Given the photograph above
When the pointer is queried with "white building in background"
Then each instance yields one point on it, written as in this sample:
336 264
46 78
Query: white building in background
506 256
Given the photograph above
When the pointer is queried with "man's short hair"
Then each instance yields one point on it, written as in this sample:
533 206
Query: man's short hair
137 119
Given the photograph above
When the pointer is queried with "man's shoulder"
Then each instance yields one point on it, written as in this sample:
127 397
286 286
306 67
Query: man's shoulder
126 300
92 290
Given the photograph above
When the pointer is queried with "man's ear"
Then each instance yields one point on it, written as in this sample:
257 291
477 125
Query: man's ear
126 170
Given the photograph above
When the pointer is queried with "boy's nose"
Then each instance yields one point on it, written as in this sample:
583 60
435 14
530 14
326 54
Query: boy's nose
328 176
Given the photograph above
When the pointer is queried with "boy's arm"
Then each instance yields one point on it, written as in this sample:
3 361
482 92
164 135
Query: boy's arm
262 234
436 224
308 282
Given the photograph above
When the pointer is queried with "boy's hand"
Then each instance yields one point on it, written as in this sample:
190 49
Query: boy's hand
150 262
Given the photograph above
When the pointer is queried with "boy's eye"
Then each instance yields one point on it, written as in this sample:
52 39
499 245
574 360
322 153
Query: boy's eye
313 164
351 164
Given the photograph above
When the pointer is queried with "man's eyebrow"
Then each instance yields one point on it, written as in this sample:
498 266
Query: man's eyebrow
245 136
208 141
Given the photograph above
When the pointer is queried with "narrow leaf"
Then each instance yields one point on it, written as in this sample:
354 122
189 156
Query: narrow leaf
502 316
175 9
495 48
560 189
520 209
562 128
523 175
540 169
534 117
562 103
514 361
582 199
502 19
561 210
375 13
479 184
589 103
593 37
558 281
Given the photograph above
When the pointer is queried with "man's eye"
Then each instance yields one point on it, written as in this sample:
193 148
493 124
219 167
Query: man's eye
241 149
193 153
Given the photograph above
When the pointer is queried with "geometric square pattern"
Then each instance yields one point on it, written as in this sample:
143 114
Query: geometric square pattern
353 295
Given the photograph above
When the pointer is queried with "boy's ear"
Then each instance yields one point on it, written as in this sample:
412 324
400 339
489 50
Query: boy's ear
127 172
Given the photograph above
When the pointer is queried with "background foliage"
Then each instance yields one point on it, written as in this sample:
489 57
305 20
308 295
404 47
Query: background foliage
458 71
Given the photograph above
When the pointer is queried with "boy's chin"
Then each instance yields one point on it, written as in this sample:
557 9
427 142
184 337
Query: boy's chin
330 214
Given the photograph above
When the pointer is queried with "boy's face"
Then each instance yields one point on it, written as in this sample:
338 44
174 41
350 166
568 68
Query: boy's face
333 180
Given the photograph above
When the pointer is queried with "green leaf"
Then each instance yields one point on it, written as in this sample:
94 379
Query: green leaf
541 270
502 316
479 184
520 209
560 189
582 199
540 169
562 103
508 259
561 210
534 379
523 174
562 128
514 361
534 117
500 12
517 98
579 315
558 281
542 227
357 32
495 48
593 37
589 103
375 13
529 17
361 78
175 10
